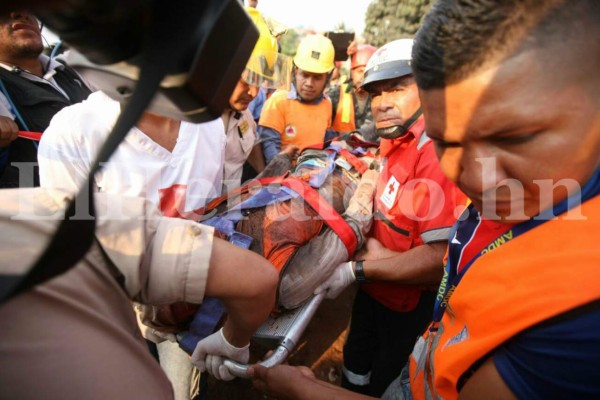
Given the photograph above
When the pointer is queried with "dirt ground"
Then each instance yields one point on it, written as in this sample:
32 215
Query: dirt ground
320 349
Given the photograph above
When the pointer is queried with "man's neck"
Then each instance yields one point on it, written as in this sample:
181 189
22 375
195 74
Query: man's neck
29 64
162 130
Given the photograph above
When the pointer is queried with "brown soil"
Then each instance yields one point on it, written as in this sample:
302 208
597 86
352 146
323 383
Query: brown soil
320 349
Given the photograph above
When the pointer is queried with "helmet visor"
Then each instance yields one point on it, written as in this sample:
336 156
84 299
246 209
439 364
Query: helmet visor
272 75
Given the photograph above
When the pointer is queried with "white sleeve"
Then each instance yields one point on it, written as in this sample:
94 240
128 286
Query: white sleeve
164 260
70 143
62 163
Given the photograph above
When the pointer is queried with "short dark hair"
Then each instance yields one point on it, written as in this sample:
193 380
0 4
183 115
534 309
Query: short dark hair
458 37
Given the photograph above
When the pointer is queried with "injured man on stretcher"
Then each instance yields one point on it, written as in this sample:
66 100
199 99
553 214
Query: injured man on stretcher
306 214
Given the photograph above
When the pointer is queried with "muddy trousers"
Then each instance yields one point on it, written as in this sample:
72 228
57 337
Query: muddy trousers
380 341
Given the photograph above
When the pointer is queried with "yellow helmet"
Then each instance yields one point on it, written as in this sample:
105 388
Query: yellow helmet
265 66
315 54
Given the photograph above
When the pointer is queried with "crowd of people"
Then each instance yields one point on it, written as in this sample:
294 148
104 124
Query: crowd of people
479 275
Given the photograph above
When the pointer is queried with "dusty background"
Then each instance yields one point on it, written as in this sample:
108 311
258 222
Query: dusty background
320 349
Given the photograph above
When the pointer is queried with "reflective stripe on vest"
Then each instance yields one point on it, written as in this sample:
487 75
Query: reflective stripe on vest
344 114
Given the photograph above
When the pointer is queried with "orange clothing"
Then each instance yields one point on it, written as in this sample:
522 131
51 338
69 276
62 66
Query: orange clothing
563 251
300 124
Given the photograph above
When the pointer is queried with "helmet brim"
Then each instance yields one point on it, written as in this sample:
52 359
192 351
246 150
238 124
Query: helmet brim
389 70
312 67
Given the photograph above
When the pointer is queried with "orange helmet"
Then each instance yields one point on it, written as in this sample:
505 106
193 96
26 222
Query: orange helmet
362 55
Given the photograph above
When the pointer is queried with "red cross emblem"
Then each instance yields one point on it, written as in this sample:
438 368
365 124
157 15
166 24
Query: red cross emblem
391 188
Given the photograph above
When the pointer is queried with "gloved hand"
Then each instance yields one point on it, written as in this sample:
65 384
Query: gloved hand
211 351
340 279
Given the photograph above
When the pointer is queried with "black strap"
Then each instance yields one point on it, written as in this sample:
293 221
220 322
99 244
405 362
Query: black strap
406 126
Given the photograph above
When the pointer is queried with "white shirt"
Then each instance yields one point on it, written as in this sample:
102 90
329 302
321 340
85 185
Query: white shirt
179 182
241 138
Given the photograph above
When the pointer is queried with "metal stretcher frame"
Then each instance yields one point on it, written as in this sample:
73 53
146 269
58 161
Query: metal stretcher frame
287 329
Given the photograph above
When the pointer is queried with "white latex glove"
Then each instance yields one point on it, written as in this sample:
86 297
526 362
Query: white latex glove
339 280
211 351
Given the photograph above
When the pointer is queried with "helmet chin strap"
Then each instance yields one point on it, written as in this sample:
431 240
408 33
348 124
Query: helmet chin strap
396 131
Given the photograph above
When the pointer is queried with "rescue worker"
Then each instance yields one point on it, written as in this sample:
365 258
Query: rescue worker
511 102
175 164
301 116
414 210
265 68
33 89
76 333
351 104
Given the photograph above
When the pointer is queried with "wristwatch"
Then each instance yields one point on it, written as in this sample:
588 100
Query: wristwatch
359 273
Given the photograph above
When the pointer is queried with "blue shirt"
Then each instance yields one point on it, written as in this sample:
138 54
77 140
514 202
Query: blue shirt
256 105
554 360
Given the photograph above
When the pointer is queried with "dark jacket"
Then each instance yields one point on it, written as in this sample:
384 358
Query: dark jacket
36 102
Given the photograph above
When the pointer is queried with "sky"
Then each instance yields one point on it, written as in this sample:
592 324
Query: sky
320 15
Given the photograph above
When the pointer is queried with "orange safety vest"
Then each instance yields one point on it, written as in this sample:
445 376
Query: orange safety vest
549 270
300 124
344 114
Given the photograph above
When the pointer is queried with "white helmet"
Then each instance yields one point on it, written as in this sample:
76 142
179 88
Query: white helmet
391 61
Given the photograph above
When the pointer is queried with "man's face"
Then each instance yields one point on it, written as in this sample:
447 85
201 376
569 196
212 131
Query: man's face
242 95
357 75
507 134
310 85
20 36
393 101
